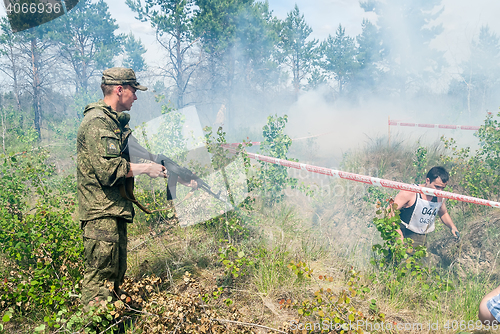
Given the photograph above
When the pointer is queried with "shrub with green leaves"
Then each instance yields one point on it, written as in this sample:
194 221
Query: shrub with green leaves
476 173
396 259
273 179
334 310
39 240
420 164
235 261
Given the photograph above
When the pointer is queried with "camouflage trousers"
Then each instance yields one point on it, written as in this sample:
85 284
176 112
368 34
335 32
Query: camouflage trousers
105 243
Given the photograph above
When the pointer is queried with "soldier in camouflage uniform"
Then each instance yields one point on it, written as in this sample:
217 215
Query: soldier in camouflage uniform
103 167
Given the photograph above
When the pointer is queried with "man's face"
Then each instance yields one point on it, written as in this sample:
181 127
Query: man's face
437 184
126 97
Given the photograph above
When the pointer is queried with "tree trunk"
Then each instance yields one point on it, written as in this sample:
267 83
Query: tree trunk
14 78
296 75
180 73
36 89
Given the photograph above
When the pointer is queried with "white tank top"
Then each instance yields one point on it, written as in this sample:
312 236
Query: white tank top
424 214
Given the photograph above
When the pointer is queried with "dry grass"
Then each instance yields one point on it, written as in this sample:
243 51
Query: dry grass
331 232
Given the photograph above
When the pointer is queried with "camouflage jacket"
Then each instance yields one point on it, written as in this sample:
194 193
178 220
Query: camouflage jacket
101 165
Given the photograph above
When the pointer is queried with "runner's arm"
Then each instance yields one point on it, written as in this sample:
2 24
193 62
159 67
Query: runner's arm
402 200
446 219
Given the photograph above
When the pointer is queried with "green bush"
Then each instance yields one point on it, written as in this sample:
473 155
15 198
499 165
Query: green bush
39 240
398 261
272 179
476 173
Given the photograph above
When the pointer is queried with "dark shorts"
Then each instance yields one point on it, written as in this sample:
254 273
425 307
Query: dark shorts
418 239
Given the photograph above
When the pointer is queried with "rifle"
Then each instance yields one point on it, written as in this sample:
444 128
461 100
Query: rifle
175 171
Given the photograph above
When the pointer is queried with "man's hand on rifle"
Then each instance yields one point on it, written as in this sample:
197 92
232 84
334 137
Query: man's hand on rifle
153 170
192 184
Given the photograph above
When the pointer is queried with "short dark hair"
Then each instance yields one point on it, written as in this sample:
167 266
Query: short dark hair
436 172
107 89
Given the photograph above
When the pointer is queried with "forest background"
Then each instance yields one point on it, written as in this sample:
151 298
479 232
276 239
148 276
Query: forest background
238 64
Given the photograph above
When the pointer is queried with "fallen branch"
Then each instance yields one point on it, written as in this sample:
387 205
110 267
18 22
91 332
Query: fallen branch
248 324
113 325
139 311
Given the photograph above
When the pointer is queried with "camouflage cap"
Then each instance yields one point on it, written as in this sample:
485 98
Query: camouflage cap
121 76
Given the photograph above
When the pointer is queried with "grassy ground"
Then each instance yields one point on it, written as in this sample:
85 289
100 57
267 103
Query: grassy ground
267 267
332 233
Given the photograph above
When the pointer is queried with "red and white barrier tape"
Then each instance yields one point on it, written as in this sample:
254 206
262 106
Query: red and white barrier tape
369 180
434 126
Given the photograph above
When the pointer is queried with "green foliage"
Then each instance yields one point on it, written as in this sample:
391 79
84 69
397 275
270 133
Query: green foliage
45 249
301 269
39 240
235 261
475 89
489 140
134 51
273 179
316 80
230 226
221 158
80 100
370 52
375 195
166 137
397 260
339 55
13 189
271 272
216 21
66 131
407 67
14 135
420 164
214 143
333 310
171 17
87 40
41 249
393 250
173 22
101 317
297 51
257 36
477 174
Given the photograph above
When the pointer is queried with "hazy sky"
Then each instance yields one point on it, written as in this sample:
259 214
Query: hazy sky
461 20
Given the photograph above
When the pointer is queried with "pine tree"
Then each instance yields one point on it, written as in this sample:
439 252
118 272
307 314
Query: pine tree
339 58
370 57
134 51
38 69
479 83
298 52
11 58
407 28
87 41
172 20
